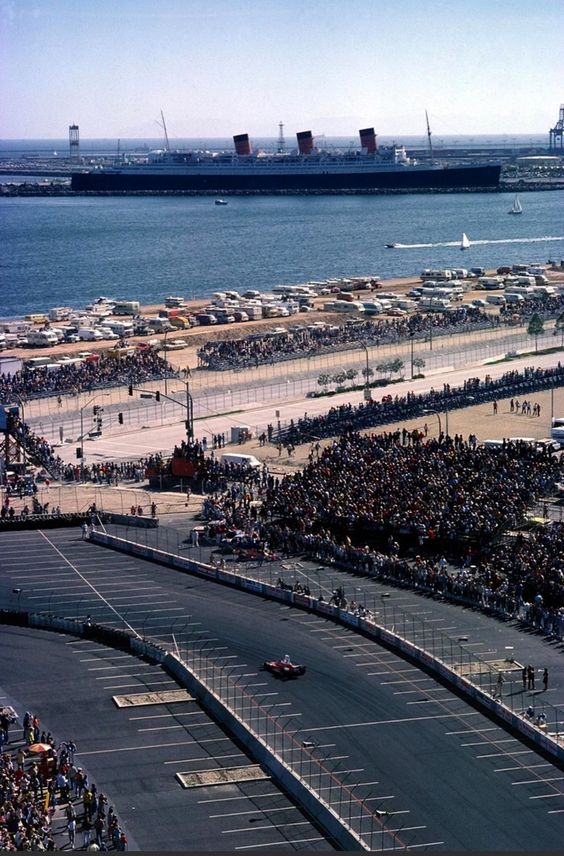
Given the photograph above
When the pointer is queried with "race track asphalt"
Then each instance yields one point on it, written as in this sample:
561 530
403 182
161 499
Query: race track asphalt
447 776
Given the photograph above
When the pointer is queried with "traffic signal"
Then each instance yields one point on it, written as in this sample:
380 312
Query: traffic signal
157 395
78 452
130 389
95 409
120 418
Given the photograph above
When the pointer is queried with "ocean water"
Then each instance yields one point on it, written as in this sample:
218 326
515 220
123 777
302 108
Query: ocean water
68 251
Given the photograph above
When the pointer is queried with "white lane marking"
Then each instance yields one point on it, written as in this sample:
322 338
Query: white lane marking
165 715
241 813
538 781
136 675
556 811
233 799
433 700
521 767
505 754
205 758
174 727
425 844
406 681
474 732
285 843
138 685
101 659
268 826
119 666
393 721
546 796
491 742
138 748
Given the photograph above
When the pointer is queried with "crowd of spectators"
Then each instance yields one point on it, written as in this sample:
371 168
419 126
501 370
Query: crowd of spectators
369 414
37 777
307 341
549 308
207 473
90 374
451 492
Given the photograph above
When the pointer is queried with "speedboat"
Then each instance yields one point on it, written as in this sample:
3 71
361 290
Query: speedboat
220 202
391 246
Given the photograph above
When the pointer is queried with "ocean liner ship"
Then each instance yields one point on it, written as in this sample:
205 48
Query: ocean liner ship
369 169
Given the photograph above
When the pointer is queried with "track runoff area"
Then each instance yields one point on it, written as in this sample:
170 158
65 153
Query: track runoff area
442 775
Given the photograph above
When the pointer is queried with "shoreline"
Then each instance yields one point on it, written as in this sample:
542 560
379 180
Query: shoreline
61 188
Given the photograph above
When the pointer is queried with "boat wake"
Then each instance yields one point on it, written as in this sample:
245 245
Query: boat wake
485 241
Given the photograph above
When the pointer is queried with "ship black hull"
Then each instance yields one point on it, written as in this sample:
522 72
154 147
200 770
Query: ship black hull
450 178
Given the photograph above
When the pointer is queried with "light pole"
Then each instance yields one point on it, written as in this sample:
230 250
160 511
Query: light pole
165 352
367 392
82 409
189 407
411 335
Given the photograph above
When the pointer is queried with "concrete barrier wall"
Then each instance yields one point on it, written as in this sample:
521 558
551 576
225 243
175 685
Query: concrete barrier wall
333 826
374 631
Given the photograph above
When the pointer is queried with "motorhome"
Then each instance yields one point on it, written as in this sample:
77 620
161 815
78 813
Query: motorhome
42 338
159 325
60 313
435 274
120 328
126 307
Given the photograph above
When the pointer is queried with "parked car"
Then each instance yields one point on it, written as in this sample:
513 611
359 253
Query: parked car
206 320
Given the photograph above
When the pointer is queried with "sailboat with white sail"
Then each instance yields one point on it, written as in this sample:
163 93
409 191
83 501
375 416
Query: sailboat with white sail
517 207
464 243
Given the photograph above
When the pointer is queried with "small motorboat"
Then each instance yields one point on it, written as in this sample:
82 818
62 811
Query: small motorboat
220 202
391 246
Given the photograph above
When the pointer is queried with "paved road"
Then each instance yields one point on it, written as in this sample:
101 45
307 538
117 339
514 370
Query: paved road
447 775
133 754
489 638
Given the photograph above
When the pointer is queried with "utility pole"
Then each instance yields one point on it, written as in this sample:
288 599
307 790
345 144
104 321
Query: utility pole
189 408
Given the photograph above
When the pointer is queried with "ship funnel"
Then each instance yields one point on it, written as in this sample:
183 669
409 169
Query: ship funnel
368 140
305 142
242 144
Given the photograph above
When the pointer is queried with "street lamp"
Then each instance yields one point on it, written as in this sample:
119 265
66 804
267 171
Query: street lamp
411 336
82 409
367 392
189 407
165 352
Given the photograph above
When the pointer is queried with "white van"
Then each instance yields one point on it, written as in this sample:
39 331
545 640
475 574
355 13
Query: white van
513 297
497 299
240 460
88 334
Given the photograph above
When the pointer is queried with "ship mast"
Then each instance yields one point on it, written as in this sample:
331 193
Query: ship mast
429 135
167 146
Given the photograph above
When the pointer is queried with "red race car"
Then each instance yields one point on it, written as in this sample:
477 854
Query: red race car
284 668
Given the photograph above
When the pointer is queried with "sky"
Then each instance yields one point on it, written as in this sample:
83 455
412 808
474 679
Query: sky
233 66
